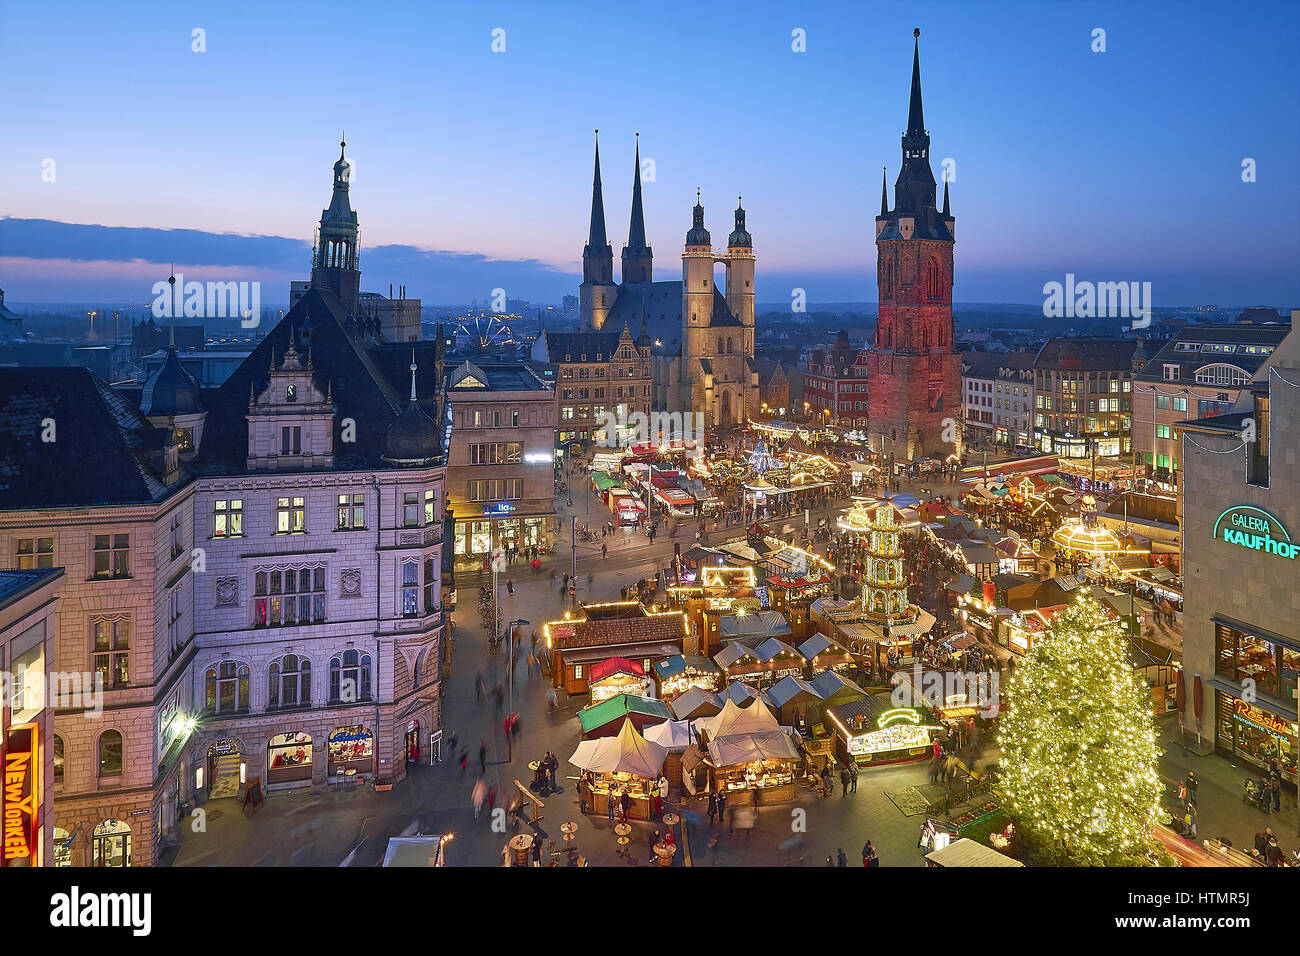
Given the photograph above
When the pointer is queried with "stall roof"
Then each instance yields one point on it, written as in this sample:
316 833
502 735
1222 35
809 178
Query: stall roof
414 851
788 688
620 705
831 684
678 664
738 692
614 665
734 719
771 648
733 653
763 624
696 703
967 852
746 748
673 735
627 752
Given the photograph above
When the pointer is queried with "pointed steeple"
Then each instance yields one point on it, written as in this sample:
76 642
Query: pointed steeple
698 235
884 191
636 230
946 213
915 114
596 235
638 258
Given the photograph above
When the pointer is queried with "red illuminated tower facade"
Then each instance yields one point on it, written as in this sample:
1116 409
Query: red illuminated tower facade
914 370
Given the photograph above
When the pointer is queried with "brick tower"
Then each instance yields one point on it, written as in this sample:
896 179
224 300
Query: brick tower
914 369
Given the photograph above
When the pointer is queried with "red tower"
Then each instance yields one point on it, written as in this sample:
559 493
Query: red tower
914 370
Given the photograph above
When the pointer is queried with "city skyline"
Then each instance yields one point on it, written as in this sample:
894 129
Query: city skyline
508 207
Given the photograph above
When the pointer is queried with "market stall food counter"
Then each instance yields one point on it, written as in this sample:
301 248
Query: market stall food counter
596 792
769 781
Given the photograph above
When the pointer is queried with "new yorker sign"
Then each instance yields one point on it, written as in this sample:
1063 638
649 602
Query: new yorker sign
1249 527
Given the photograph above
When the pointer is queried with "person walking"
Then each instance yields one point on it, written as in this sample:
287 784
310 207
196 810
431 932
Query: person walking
844 782
713 807
1191 786
482 757
604 551
853 775
612 804
1275 784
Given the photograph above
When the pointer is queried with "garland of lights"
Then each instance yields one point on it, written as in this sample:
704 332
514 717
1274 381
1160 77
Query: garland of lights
1078 743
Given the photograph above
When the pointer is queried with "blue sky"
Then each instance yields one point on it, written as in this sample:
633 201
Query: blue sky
1122 165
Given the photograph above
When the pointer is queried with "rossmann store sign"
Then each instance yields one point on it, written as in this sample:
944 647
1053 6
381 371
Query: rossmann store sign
1255 530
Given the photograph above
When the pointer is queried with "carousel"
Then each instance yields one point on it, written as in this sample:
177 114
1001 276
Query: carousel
1084 542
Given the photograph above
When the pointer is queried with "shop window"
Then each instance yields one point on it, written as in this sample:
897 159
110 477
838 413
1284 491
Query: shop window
350 748
349 677
110 754
290 683
111 844
288 758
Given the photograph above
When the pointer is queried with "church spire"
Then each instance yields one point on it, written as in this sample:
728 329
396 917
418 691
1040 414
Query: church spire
596 240
915 114
884 191
638 259
946 213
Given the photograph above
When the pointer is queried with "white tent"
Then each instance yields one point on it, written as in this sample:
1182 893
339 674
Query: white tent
745 748
673 735
629 752
756 718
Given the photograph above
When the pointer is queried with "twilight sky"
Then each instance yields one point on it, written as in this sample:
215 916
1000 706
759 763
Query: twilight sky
1122 165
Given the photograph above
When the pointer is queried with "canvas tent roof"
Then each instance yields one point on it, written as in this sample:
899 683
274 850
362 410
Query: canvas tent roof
967 852
696 702
628 752
672 735
734 719
614 665
744 748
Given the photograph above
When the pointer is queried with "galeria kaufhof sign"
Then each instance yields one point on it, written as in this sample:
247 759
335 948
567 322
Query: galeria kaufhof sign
1249 527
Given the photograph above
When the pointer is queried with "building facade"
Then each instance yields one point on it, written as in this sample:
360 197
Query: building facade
1241 550
701 340
998 397
914 367
1083 396
596 375
1198 373
500 476
835 384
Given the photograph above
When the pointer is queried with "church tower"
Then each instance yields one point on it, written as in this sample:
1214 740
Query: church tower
336 259
914 369
638 258
697 314
598 291
740 278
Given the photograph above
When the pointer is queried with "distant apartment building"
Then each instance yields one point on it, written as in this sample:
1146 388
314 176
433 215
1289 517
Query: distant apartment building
500 476
1083 396
835 384
1199 373
998 396
773 390
595 373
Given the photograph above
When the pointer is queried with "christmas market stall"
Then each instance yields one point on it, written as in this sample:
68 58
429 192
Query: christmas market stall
674 736
823 654
611 766
679 673
617 675
750 754
696 702
874 730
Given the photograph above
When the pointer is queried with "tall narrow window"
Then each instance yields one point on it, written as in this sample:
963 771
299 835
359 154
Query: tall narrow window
112 556
112 651
410 589
411 510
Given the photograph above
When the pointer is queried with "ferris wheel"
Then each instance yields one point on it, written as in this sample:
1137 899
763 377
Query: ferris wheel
483 332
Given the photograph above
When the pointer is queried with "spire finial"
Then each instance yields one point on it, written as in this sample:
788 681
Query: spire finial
916 32
884 191
697 195
413 368
171 319
915 114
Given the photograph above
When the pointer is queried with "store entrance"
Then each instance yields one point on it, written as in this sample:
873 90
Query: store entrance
224 761
413 742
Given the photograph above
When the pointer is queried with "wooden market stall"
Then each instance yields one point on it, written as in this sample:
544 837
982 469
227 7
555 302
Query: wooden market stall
611 766
750 755
872 731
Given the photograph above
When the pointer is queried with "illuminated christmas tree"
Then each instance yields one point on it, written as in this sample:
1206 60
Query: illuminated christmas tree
1079 744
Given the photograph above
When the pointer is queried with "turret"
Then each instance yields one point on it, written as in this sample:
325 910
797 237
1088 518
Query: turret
638 258
697 278
336 259
740 272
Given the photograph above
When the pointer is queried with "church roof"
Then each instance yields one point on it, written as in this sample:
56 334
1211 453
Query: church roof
663 312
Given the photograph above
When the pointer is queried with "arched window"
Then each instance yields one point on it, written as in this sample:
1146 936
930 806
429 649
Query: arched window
909 270
226 688
290 684
886 264
110 754
60 759
719 345
349 677
729 348
934 279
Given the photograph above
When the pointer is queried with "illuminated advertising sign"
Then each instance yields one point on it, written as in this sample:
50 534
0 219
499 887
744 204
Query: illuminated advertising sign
21 796
1249 527
1260 719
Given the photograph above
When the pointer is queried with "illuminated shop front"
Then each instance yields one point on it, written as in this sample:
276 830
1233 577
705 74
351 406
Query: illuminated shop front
351 748
498 529
1253 734
617 675
288 760
871 730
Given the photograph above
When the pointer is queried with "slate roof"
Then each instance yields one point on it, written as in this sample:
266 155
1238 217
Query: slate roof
364 380
1086 354
663 312
105 451
577 344
619 631
1177 350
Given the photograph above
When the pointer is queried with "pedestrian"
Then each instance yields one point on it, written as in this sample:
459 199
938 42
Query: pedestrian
612 803
464 759
869 855
722 805
479 796
1191 786
653 840
1275 784
659 800
1265 798
844 782
604 551
853 776
625 802
1190 819
840 858
482 757
713 807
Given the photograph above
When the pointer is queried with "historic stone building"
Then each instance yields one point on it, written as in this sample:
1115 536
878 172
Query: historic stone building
597 375
701 341
914 366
